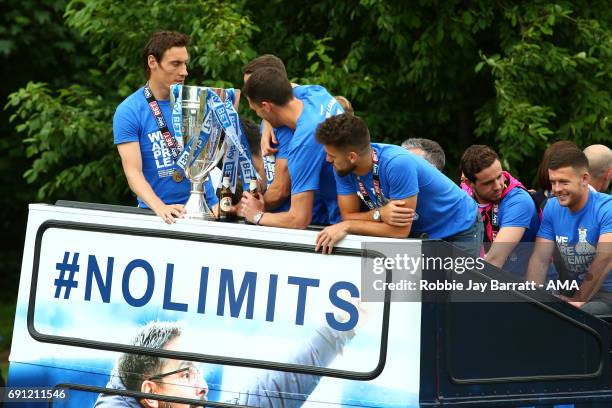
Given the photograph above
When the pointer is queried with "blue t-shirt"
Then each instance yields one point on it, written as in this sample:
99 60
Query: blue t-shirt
308 169
442 209
134 122
577 234
517 209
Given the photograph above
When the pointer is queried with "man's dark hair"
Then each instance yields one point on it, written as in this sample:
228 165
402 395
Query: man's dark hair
159 43
475 159
433 151
264 61
344 131
253 135
134 368
543 179
270 85
570 156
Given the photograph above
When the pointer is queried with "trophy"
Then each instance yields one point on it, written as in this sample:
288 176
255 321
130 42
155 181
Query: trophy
203 155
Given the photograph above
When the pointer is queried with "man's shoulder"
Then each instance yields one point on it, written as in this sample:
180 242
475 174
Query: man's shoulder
304 135
602 206
113 400
283 135
392 154
554 211
518 196
132 103
602 200
306 92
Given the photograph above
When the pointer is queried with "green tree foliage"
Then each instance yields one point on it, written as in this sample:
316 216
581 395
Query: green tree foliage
68 130
35 45
514 75
552 79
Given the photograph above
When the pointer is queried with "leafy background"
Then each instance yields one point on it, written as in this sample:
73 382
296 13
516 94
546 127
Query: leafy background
514 75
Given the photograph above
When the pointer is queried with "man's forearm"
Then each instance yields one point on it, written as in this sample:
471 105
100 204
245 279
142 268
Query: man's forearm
499 252
537 269
376 229
141 187
359 215
598 272
284 220
274 196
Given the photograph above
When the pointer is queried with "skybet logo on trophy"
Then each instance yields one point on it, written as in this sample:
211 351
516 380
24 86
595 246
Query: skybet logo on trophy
206 124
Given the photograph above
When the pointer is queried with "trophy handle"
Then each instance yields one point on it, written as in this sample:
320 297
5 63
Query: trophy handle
218 155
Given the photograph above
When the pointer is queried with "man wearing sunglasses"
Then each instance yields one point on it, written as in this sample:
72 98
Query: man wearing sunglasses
179 378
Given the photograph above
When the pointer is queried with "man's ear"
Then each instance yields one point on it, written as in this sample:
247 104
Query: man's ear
149 387
151 61
586 178
353 156
267 106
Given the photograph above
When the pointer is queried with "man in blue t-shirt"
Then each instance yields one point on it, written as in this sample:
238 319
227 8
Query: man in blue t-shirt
579 221
375 173
147 162
278 186
510 215
313 191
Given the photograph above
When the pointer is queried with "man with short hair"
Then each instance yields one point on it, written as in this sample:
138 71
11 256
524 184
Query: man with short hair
154 375
510 215
600 166
263 61
300 109
139 126
180 378
278 184
428 149
375 173
579 221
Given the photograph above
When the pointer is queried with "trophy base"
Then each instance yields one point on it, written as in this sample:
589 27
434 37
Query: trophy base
205 217
196 207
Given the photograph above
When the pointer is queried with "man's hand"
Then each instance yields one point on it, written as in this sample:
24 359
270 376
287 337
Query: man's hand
329 236
249 205
572 301
396 213
267 139
168 213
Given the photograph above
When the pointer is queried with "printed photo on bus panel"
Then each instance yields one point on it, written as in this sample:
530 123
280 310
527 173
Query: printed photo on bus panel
186 379
244 306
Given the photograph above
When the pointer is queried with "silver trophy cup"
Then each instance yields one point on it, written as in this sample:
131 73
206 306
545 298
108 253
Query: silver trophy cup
193 108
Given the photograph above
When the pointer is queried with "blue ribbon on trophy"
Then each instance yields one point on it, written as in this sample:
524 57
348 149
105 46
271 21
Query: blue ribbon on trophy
176 91
238 154
269 162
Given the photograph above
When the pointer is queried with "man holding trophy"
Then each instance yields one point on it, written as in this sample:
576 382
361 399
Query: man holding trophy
145 137
300 110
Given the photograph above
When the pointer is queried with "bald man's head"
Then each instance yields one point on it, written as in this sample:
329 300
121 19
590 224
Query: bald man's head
600 166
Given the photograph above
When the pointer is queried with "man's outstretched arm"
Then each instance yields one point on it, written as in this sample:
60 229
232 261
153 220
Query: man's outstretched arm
290 390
